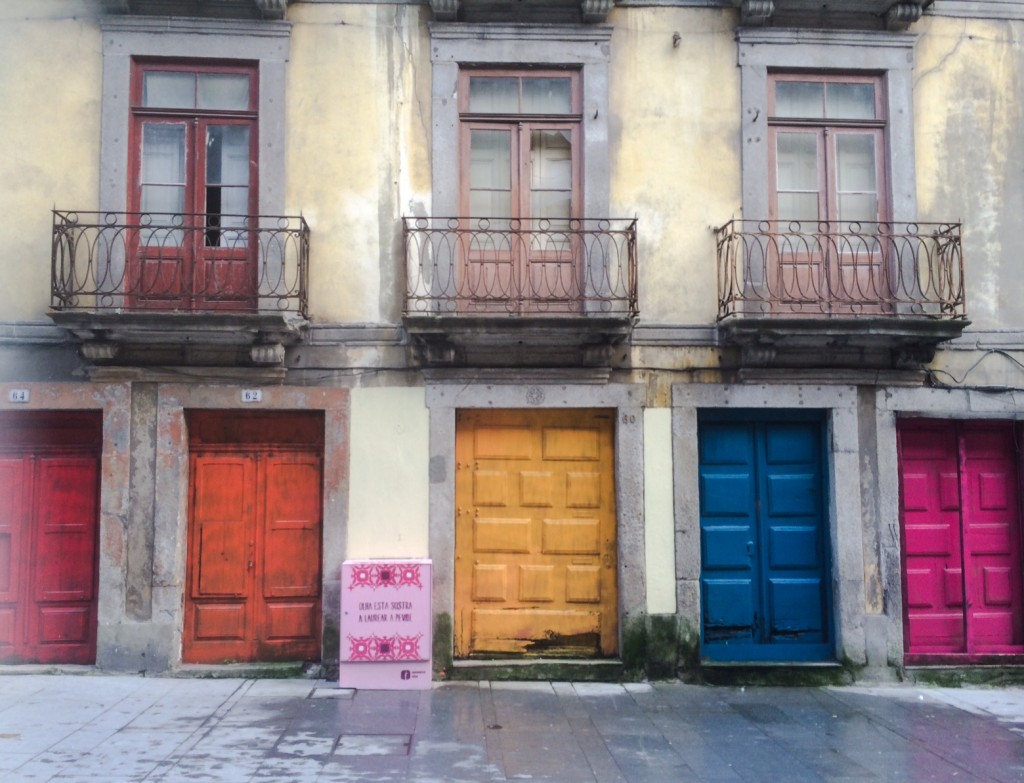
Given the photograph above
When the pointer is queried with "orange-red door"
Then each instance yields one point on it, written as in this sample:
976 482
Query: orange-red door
535 543
254 555
49 521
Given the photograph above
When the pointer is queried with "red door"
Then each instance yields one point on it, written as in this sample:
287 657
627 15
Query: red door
962 538
254 548
49 521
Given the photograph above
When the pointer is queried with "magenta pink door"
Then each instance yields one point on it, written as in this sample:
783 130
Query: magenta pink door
961 538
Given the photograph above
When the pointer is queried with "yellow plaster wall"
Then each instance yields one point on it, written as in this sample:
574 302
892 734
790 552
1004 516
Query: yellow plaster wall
389 476
674 148
970 153
49 123
358 155
659 525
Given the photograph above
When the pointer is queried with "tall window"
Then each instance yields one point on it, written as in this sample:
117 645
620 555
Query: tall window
826 136
520 146
193 176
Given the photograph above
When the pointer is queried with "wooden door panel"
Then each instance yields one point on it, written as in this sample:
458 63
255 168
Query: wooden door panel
65 544
49 524
962 558
222 553
292 527
255 547
571 536
12 484
221 622
792 540
764 586
566 632
501 535
930 513
535 534
992 539
729 592
12 531
224 541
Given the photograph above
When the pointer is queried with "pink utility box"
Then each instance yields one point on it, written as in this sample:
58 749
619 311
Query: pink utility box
385 624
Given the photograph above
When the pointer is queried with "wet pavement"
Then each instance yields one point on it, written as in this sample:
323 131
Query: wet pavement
112 728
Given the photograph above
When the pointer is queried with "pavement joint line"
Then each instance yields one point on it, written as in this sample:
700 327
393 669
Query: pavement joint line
899 729
204 729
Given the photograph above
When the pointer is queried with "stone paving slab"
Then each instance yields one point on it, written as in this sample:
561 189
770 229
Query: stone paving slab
119 729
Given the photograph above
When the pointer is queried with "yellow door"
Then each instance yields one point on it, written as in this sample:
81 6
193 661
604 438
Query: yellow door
535 547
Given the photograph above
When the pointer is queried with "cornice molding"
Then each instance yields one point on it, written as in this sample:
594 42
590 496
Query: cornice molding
268 9
592 11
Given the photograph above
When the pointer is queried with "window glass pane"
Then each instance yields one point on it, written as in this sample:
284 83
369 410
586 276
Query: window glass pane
490 204
234 201
859 207
490 160
802 207
226 217
855 162
547 96
224 91
797 161
550 160
851 101
227 155
163 203
799 99
163 154
168 90
164 199
494 94
551 205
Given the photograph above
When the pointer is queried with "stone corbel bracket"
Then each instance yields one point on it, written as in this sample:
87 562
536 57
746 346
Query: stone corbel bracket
756 12
445 10
898 17
901 15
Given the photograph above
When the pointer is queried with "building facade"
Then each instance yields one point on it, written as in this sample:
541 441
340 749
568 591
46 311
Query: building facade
678 334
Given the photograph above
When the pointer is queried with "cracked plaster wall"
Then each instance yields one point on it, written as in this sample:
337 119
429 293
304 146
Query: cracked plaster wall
358 99
970 153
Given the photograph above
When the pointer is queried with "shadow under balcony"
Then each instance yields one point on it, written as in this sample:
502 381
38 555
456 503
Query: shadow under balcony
854 295
141 289
518 293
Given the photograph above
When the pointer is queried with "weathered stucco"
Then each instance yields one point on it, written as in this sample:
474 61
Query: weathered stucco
970 153
674 147
658 520
357 149
389 494
50 127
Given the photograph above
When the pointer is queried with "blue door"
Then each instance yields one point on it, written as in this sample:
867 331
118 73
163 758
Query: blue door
764 553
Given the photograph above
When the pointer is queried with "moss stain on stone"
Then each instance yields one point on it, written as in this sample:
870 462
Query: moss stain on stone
443 645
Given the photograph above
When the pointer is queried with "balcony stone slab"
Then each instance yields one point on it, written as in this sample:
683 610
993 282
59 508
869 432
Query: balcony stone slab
519 341
148 338
865 341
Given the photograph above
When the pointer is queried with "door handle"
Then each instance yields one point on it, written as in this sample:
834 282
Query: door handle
750 549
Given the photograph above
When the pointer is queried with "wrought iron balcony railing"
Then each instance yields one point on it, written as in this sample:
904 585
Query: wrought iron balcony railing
784 269
116 261
481 266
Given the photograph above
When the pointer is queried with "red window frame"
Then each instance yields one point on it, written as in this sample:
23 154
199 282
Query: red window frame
826 131
519 126
829 265
517 261
193 260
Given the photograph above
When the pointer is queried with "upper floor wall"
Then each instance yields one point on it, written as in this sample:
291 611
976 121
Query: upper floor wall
356 134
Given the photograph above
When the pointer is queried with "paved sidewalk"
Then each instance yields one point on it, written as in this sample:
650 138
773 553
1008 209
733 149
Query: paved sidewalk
110 728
